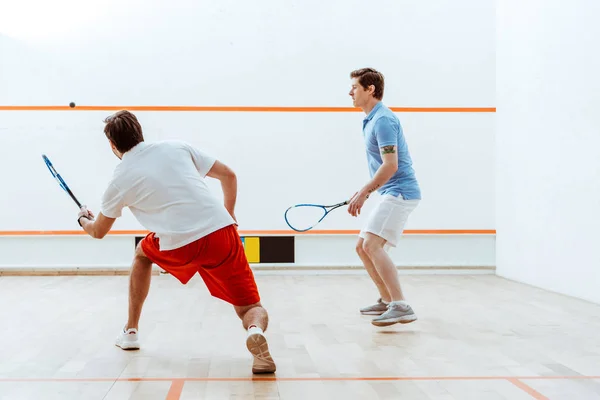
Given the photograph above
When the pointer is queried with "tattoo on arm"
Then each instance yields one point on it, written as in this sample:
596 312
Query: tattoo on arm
373 189
388 150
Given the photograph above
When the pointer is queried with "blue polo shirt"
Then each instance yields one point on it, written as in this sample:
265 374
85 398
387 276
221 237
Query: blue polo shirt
382 128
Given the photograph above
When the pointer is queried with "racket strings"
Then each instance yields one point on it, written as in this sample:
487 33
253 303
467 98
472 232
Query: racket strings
304 217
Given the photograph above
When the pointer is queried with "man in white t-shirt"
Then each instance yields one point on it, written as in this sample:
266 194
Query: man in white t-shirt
163 184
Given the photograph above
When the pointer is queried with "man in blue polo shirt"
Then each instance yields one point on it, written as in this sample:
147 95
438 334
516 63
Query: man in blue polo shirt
393 177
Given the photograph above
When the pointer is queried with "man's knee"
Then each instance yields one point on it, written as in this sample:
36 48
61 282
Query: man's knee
372 244
140 255
360 247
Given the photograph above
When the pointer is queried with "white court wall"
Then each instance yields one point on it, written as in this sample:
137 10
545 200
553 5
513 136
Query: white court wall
548 162
286 54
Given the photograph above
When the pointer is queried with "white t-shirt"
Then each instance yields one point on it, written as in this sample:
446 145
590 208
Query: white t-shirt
163 185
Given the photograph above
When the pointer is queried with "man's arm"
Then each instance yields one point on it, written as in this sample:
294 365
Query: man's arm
383 174
95 228
386 131
228 180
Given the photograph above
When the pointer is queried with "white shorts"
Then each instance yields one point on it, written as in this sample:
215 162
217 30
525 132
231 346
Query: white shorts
388 218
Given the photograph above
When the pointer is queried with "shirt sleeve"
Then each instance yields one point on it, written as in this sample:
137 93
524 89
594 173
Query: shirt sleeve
202 161
112 202
386 132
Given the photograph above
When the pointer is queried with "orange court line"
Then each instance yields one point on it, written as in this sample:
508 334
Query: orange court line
176 389
528 389
295 379
262 232
245 109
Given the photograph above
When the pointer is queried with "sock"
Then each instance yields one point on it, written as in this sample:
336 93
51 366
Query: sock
252 329
402 303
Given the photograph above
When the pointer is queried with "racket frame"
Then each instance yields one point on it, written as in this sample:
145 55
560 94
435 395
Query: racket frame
327 209
60 180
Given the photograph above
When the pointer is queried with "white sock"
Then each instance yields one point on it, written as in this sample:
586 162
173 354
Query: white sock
402 303
254 329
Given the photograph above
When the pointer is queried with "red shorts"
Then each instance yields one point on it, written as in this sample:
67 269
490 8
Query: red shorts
220 260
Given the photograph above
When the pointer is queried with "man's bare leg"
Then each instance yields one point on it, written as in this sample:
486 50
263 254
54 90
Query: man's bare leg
370 267
139 285
253 315
255 320
373 247
398 311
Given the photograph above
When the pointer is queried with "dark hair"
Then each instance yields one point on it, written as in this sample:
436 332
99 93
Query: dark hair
370 76
123 129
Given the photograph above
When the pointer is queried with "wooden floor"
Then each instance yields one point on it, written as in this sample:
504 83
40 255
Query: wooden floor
478 337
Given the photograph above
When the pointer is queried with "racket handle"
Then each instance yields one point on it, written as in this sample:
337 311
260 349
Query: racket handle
74 198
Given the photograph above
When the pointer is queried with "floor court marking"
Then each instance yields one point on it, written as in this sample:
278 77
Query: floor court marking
177 384
309 378
175 389
528 389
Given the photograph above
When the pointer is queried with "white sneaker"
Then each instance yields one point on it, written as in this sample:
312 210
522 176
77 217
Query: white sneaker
257 345
128 340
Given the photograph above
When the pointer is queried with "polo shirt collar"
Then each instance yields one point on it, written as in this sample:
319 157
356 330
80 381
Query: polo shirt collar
373 111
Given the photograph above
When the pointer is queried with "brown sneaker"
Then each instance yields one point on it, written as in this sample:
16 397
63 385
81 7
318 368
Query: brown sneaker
375 309
257 345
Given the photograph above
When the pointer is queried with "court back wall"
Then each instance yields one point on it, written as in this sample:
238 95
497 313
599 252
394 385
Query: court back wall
290 59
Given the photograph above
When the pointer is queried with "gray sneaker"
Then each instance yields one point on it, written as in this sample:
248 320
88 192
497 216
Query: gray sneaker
375 309
396 313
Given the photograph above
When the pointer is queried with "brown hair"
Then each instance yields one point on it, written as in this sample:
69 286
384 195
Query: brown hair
370 76
123 129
